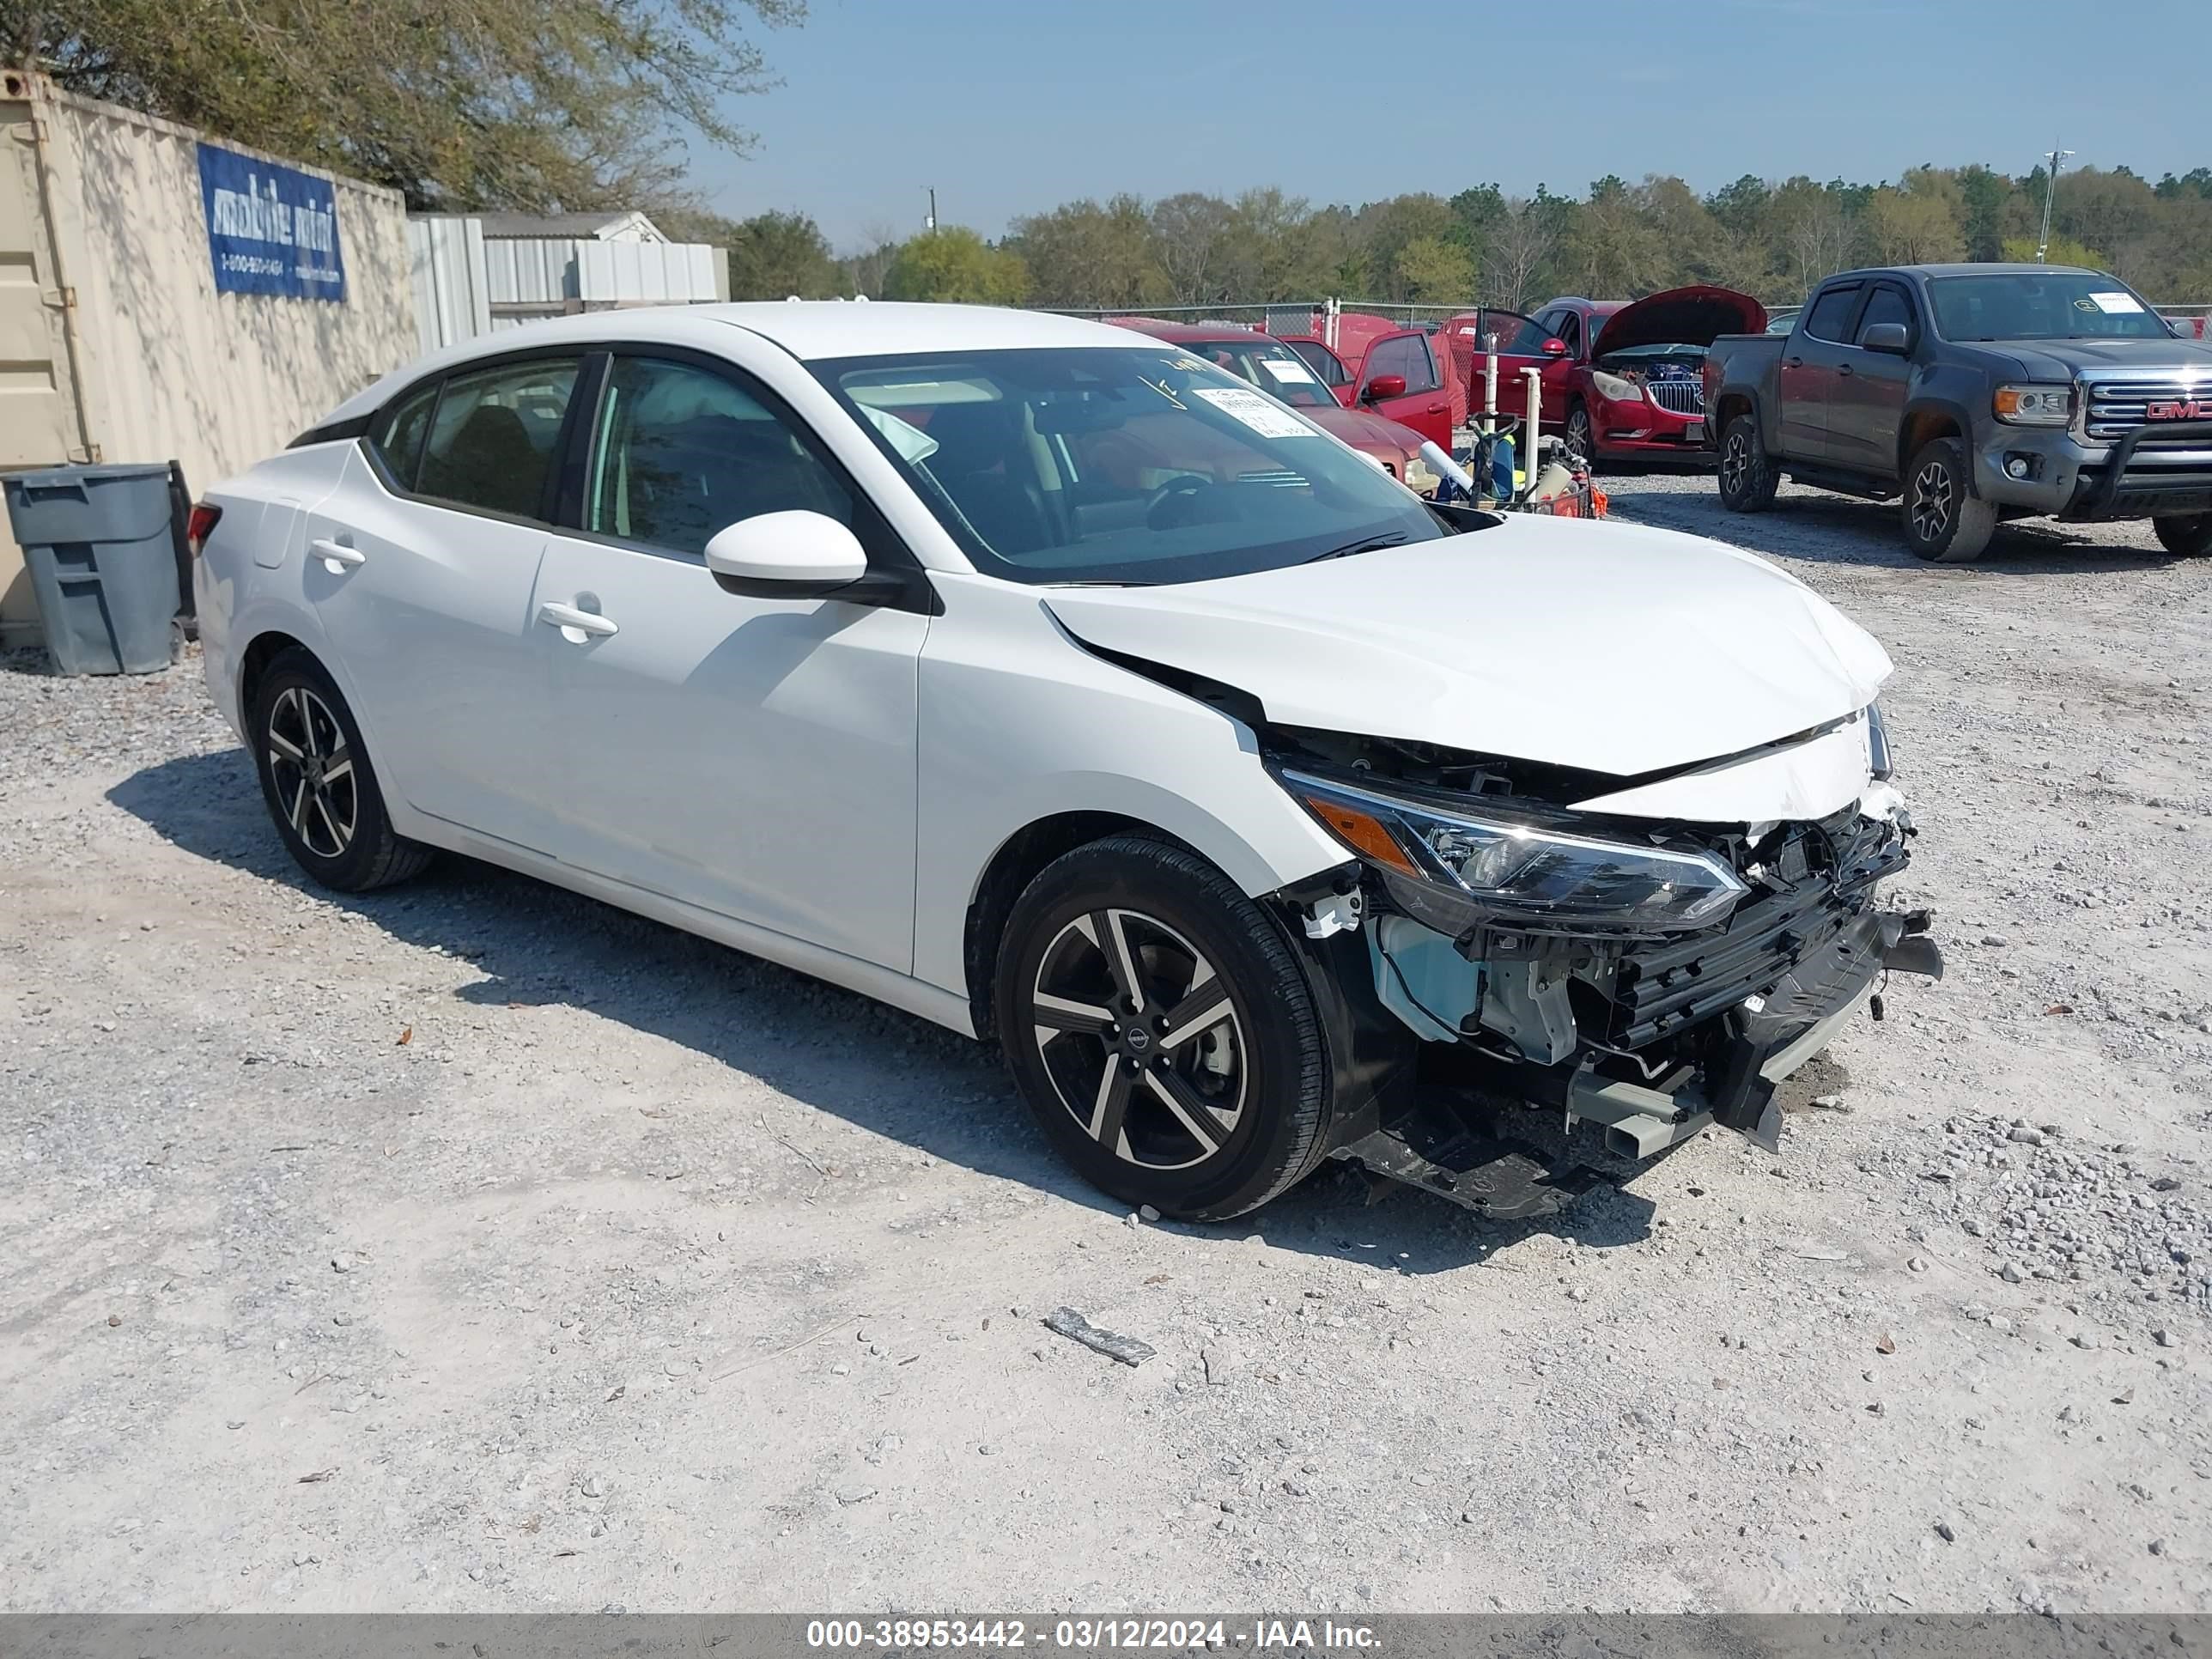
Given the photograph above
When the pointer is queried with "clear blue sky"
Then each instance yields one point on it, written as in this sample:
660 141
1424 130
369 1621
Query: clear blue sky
1011 107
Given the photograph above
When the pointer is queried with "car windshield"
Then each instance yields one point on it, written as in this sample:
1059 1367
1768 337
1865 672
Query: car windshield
2058 304
1271 366
1121 465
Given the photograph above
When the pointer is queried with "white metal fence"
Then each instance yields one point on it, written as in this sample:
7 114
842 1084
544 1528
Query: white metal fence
467 282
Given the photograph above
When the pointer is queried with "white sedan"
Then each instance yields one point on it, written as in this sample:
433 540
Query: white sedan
1040 679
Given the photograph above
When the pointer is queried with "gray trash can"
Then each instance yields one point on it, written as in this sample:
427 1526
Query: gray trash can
103 566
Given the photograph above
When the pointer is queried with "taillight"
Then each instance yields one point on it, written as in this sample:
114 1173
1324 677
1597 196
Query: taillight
201 526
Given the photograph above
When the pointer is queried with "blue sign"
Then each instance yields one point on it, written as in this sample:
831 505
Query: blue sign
270 229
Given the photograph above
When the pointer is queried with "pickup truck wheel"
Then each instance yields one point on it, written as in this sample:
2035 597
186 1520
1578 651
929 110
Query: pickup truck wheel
1944 522
1748 477
2189 535
1162 1032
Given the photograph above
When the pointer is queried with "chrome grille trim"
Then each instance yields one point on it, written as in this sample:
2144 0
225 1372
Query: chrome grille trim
1677 396
2110 406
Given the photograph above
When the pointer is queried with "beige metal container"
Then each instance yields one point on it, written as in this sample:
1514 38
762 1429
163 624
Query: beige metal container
114 344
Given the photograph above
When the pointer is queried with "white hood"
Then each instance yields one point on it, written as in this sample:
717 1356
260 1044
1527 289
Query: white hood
1608 647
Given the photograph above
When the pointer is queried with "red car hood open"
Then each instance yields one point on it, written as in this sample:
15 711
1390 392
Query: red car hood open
1680 316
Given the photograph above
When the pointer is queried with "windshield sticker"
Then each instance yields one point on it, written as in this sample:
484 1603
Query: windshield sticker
1268 419
1185 365
1288 369
2115 304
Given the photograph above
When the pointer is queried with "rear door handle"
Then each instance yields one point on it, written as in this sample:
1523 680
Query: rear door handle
1795 362
577 626
336 556
1843 368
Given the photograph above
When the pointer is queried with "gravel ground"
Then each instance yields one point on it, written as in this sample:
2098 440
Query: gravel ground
474 1247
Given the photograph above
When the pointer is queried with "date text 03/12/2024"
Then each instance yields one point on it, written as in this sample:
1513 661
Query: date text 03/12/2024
1086 1635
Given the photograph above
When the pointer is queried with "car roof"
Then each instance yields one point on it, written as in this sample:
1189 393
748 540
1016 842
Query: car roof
808 329
2014 269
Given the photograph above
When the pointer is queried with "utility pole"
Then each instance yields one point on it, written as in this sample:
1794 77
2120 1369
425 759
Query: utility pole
930 223
2050 194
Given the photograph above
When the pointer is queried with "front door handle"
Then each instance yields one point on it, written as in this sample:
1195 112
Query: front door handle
1843 369
577 626
336 556
1795 362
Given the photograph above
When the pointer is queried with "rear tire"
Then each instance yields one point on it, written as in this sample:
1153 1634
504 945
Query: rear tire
1943 521
1213 1093
2186 535
1746 472
316 776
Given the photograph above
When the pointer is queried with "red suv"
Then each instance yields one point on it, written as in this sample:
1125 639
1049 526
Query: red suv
1620 378
1389 368
1286 374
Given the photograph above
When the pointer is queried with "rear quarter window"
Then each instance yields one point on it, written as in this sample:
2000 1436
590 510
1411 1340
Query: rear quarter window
396 434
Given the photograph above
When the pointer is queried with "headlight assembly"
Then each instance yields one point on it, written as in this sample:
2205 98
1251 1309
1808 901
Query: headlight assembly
2033 405
1613 386
1456 870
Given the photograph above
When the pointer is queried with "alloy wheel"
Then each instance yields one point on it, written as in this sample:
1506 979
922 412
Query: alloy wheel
1931 503
1735 463
316 789
1140 1039
1578 433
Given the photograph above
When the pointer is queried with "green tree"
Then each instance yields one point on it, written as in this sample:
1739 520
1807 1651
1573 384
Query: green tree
460 104
773 255
1190 234
1436 272
1913 226
1082 254
2063 251
1983 194
955 264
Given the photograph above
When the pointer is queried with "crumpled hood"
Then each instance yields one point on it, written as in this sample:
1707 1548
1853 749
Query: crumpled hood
1680 316
1611 648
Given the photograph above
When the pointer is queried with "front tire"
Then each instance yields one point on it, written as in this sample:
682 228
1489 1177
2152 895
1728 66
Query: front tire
2185 535
1944 522
1746 472
1162 1032
316 777
1580 437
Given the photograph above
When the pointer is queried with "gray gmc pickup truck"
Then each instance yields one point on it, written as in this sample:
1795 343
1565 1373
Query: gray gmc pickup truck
1975 394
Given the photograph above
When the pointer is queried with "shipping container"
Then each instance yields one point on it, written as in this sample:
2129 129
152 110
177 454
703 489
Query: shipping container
120 341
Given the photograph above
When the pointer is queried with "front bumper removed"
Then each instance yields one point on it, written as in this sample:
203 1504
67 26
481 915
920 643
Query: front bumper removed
1446 1140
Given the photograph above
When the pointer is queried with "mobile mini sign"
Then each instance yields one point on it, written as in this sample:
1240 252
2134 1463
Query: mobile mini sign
270 229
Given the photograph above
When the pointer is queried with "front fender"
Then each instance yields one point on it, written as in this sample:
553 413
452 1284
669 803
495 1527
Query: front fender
1020 724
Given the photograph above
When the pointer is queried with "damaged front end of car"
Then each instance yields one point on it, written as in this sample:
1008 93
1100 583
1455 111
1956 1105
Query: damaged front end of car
1651 975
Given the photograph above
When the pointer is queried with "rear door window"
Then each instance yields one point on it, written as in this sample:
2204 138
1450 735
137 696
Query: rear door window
1830 316
1324 362
494 439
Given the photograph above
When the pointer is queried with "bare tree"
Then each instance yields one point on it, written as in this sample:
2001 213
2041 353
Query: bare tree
1189 235
870 261
1514 253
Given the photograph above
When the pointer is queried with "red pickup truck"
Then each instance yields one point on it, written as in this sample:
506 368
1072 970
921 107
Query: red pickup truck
1621 378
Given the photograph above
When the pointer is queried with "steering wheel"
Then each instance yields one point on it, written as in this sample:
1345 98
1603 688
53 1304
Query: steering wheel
1183 485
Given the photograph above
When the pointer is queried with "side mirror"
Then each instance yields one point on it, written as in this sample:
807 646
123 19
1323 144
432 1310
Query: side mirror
786 556
1893 340
1384 385
1553 347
